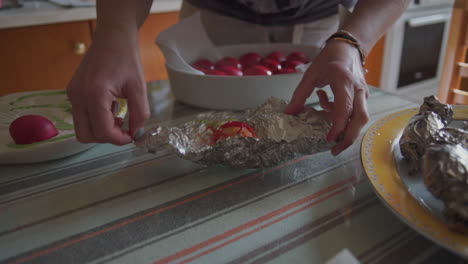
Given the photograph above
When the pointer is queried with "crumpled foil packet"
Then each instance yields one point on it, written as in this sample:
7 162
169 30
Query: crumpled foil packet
444 167
432 104
445 173
423 129
280 137
439 154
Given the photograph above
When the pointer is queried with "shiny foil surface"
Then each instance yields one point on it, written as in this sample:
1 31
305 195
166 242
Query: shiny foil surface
420 132
452 135
280 137
445 173
423 129
432 104
439 153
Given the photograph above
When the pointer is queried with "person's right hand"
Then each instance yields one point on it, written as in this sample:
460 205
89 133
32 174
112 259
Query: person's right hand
338 65
110 69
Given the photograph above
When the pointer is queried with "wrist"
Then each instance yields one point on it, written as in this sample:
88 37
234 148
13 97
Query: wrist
116 32
359 38
345 53
342 49
347 39
120 27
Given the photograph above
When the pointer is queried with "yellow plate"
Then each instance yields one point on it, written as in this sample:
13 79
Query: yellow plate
379 164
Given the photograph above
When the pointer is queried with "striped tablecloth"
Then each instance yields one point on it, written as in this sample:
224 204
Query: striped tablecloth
121 205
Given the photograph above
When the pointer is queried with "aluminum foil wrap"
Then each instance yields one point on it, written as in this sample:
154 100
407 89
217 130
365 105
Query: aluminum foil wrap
439 153
432 104
452 135
420 132
445 173
280 137
423 129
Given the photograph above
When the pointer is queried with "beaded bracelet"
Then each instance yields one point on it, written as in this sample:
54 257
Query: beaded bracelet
347 37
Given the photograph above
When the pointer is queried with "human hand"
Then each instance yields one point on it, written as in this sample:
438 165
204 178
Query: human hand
111 68
339 66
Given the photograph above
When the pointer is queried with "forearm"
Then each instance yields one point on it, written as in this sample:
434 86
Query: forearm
372 18
121 15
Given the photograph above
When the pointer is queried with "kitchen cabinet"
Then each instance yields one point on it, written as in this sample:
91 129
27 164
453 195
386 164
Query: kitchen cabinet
152 58
454 84
374 63
41 57
45 57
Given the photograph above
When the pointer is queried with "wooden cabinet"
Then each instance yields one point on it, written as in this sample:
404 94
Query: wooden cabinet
45 57
41 57
454 83
374 63
151 56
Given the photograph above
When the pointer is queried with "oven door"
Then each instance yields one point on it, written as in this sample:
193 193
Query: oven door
415 49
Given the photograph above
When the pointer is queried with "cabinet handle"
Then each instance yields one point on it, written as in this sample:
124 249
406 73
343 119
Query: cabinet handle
80 48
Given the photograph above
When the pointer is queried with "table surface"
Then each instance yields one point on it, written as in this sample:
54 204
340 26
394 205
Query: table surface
121 205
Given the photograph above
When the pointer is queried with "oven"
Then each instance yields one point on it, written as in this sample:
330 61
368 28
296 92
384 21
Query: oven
415 46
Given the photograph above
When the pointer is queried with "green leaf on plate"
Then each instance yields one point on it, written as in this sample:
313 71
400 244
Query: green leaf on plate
63 106
16 146
61 124
21 98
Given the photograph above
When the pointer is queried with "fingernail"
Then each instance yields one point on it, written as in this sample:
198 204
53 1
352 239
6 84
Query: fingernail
115 107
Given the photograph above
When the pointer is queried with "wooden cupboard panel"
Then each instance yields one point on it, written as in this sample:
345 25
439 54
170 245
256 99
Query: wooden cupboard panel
460 97
453 87
151 56
374 63
463 69
40 57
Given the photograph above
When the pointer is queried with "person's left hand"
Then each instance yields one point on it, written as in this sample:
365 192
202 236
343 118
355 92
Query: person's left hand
339 66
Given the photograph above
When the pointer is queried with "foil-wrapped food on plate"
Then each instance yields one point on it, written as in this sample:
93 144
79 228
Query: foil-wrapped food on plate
445 172
423 129
256 138
438 152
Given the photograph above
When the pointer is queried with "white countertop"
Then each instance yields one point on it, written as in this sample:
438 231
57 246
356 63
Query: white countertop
43 12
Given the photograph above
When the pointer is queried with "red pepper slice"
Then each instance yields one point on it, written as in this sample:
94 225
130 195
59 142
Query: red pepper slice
230 129
240 125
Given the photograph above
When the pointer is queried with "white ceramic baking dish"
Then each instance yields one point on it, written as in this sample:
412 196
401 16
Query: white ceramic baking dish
232 92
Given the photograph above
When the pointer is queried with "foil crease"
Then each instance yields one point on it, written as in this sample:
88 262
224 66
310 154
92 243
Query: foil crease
424 129
452 135
421 131
445 173
432 104
280 137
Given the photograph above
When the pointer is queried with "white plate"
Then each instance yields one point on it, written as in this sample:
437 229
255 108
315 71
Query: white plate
51 104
